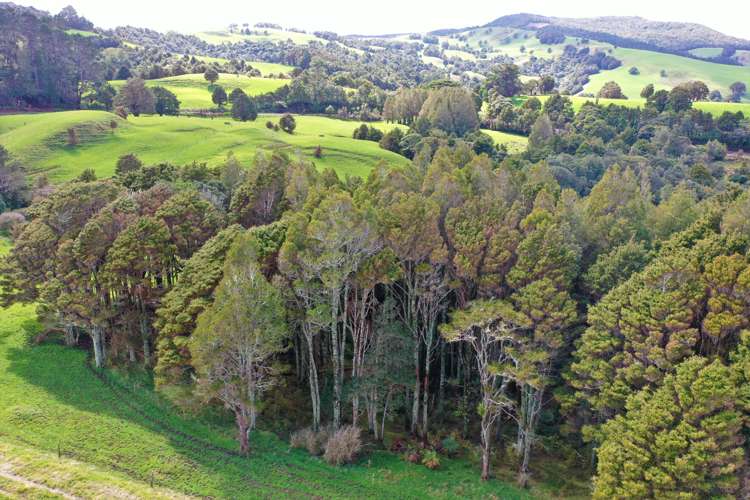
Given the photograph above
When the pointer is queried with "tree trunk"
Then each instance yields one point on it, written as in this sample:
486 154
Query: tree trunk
70 335
242 429
146 337
417 385
337 382
426 387
486 443
97 338
313 379
441 387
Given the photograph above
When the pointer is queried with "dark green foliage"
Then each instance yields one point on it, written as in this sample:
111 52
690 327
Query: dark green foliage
243 107
219 96
287 123
165 102
683 439
451 110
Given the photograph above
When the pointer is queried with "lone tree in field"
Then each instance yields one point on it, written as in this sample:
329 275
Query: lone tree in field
166 102
236 339
611 90
287 123
136 97
738 90
219 96
211 75
647 91
243 107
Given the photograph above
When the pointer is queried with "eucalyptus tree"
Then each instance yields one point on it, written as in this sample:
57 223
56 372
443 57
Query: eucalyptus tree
488 326
328 247
237 339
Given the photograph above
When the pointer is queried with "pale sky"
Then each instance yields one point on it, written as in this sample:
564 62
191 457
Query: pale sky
388 16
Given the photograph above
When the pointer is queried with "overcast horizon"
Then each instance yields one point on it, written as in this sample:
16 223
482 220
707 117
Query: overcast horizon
345 18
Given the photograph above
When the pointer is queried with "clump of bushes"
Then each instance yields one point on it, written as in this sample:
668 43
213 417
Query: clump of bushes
337 447
431 460
308 439
343 446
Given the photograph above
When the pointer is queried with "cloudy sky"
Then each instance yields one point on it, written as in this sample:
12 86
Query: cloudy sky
391 16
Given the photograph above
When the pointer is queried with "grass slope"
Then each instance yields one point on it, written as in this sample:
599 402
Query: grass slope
715 108
678 69
40 141
116 438
219 37
192 90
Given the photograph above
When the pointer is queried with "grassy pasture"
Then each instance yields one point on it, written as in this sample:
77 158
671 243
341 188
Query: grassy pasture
678 70
220 36
193 93
40 141
265 68
715 108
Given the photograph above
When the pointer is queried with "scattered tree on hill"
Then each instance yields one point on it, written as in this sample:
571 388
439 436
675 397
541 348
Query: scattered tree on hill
611 90
738 90
219 96
211 75
647 91
634 71
136 97
166 102
287 123
127 163
243 107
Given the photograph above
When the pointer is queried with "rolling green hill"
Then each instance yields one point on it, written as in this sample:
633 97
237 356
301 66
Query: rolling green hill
40 141
193 93
273 35
678 69
715 108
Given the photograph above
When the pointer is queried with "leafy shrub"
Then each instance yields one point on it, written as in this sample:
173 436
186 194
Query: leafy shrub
343 446
413 456
450 446
399 446
431 460
269 125
309 440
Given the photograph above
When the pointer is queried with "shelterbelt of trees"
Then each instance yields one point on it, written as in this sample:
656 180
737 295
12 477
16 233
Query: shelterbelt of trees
586 296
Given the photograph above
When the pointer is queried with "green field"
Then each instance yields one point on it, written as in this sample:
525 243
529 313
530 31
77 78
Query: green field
219 37
706 52
678 70
265 68
39 140
514 143
715 108
193 93
64 428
